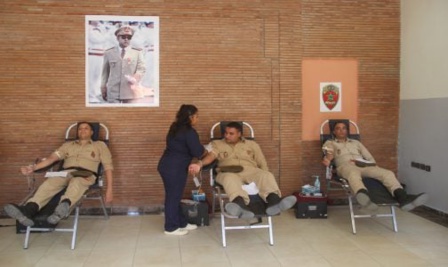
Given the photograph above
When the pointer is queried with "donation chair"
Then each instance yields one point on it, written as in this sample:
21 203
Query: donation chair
257 205
101 132
379 194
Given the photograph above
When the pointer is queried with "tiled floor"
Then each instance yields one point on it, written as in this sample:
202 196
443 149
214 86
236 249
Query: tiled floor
139 241
432 215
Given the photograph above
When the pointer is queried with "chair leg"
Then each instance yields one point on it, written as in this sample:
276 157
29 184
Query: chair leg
271 231
223 230
213 202
27 237
352 214
103 206
394 218
75 227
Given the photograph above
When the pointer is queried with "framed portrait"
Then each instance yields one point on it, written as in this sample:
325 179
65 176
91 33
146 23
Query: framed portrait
122 61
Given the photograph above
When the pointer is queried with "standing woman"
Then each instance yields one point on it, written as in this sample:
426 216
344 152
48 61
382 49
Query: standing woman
182 145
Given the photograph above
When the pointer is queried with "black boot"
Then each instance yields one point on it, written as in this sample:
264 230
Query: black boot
238 208
400 195
277 204
23 214
363 198
409 202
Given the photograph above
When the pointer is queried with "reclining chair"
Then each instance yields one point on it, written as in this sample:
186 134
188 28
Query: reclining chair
94 192
379 194
257 205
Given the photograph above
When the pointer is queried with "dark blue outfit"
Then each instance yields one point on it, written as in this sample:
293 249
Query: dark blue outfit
173 167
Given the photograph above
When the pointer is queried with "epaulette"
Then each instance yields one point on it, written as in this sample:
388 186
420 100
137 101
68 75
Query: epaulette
110 48
138 49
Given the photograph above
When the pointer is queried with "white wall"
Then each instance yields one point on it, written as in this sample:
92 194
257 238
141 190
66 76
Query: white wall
423 129
424 49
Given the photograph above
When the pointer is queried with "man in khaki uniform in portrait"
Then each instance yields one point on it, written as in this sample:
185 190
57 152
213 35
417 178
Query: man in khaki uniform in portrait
81 158
353 161
240 162
123 68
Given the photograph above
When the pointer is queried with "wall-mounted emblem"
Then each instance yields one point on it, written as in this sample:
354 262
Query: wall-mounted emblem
330 94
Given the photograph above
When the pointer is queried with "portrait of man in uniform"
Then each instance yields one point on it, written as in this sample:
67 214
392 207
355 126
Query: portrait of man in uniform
122 61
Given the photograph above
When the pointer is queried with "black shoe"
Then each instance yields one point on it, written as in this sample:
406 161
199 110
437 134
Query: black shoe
277 204
238 208
363 198
22 214
61 212
413 201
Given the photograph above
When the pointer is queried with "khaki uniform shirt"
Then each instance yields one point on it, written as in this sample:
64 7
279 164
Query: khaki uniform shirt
244 153
349 150
114 70
87 156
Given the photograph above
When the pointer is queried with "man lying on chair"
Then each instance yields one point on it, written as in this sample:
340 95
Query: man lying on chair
241 161
353 161
82 155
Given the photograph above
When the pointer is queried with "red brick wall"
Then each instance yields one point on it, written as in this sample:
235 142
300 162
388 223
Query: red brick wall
235 60
368 31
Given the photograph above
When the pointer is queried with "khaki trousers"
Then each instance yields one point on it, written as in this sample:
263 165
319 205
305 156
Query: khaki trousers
233 182
354 175
76 187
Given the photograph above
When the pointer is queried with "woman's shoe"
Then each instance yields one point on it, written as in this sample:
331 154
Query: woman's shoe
178 231
190 227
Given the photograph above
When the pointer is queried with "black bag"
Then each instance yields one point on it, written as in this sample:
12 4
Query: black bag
196 212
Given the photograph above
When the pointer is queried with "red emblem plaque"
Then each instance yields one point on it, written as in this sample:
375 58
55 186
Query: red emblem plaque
330 96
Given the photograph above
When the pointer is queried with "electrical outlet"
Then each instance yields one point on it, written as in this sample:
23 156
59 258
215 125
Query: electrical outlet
428 168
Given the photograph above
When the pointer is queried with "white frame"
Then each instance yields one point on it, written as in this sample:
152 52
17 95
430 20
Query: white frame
108 25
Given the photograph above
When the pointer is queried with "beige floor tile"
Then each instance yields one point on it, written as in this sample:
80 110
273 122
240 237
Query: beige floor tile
64 258
256 263
196 254
37 240
110 258
140 241
200 237
305 261
157 256
115 239
22 257
433 254
257 253
157 240
352 258
292 247
398 257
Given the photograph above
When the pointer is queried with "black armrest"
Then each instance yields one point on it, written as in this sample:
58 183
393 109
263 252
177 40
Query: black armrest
45 169
210 166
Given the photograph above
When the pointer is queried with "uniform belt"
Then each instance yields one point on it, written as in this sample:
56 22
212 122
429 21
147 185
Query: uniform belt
81 169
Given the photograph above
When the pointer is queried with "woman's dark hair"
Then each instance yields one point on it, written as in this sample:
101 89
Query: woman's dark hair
183 120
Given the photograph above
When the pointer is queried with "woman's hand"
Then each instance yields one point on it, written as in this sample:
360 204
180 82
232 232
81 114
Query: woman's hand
194 168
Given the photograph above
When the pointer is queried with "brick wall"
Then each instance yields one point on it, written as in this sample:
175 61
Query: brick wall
235 60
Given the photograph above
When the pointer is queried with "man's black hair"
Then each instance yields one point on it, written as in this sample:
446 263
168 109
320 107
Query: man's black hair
86 122
238 126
